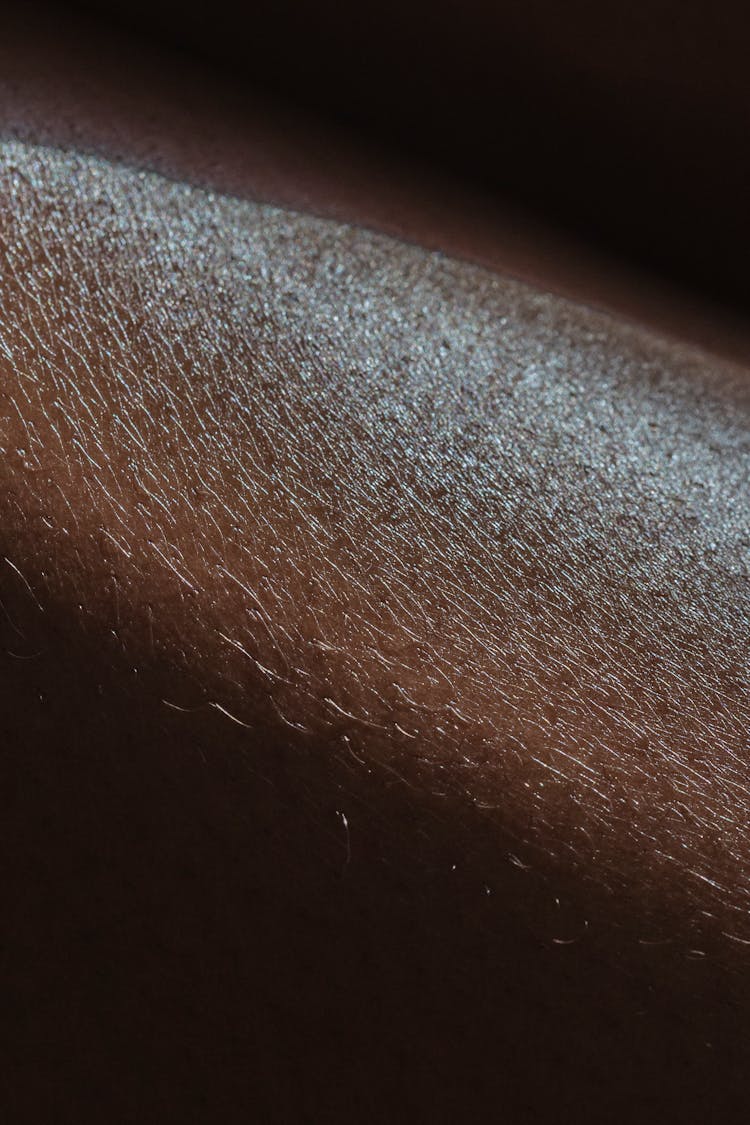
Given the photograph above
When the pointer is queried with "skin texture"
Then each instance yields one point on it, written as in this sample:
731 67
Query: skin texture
65 83
374 679
444 582
630 126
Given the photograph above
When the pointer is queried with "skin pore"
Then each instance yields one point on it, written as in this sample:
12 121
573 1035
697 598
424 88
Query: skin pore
374 678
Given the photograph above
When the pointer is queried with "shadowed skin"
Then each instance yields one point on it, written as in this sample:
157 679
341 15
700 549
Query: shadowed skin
374 674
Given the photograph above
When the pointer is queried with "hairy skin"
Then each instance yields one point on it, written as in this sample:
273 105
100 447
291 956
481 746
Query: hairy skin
375 666
373 644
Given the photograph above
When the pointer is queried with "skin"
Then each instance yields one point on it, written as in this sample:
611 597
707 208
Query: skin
374 681
627 126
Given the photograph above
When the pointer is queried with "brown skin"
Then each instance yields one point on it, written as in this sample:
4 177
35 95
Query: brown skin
497 866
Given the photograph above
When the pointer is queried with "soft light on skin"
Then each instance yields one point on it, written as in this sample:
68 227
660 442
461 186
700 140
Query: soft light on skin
427 527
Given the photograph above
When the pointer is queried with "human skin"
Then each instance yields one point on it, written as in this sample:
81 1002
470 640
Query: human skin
631 127
375 691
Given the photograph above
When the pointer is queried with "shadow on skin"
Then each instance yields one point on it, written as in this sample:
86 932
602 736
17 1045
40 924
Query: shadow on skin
374 697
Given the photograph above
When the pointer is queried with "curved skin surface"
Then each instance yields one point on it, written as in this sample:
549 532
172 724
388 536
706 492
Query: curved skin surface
373 676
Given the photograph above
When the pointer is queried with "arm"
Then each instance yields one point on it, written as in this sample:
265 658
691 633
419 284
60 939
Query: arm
389 622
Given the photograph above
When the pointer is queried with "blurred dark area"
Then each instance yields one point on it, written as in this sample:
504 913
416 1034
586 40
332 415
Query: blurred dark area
626 125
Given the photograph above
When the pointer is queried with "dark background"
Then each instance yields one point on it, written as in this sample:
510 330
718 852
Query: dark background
626 125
